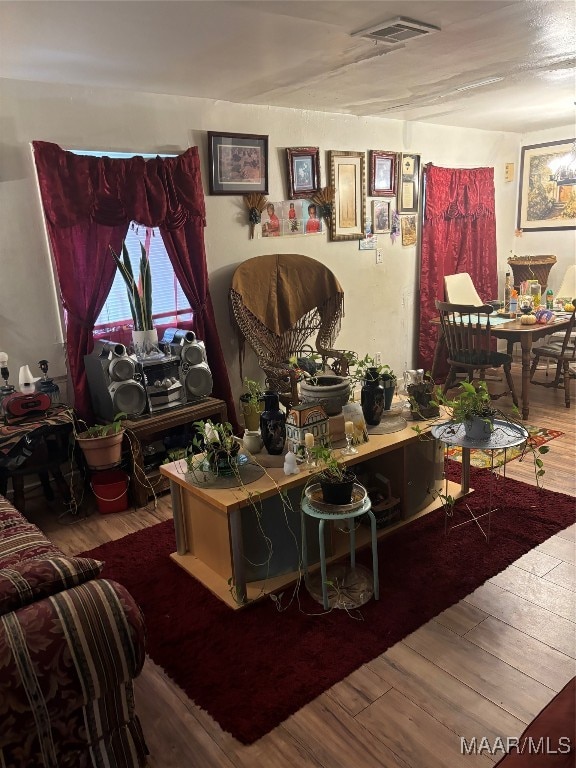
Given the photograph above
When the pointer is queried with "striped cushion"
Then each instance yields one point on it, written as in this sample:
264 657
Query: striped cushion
19 539
28 581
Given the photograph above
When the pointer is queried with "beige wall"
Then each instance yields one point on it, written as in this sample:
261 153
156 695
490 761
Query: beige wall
380 299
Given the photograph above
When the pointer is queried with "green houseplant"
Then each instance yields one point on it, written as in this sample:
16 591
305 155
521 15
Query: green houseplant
101 444
335 478
252 404
139 293
218 445
473 403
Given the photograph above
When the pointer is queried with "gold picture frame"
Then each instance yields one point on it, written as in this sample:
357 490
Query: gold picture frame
545 202
348 178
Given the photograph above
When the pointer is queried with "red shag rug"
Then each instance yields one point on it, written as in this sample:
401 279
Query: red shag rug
250 669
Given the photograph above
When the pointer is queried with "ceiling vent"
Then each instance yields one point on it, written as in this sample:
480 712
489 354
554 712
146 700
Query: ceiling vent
396 31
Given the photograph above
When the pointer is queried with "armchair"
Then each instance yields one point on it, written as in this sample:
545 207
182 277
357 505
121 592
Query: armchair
280 303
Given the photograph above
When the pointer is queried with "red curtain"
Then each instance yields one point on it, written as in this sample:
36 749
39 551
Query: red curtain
89 203
458 235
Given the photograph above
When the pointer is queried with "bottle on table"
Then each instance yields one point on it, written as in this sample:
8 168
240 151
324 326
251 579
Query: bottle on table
507 292
549 299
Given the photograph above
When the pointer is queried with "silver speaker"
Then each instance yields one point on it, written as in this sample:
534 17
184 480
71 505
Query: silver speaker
113 381
197 380
128 396
194 374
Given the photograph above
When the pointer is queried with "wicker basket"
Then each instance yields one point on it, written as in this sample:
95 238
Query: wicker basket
531 268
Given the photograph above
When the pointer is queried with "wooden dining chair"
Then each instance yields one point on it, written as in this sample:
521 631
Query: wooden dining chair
564 354
470 346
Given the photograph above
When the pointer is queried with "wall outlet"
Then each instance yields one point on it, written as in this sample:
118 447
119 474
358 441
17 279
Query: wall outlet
379 256
378 358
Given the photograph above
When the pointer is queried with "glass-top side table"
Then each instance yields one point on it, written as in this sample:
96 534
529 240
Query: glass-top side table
356 593
505 435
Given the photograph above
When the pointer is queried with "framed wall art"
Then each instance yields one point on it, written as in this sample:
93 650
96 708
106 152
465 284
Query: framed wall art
409 183
547 195
348 178
303 171
381 216
382 177
408 226
238 163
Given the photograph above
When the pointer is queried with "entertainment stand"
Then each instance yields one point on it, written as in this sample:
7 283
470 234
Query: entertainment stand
213 535
146 433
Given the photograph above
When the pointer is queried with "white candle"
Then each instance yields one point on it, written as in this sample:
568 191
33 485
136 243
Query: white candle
308 440
349 427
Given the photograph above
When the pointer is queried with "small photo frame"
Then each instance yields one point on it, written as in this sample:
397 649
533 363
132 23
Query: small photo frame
382 181
381 216
238 163
408 226
303 171
409 183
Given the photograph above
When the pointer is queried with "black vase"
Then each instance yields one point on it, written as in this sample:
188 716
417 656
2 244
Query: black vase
273 424
389 386
372 398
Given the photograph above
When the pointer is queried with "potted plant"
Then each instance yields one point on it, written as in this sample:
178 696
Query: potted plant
378 387
422 399
144 335
218 445
473 407
252 404
336 479
102 443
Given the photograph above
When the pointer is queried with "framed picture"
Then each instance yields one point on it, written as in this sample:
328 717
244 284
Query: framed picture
547 192
409 183
408 226
303 171
381 216
348 178
238 163
382 173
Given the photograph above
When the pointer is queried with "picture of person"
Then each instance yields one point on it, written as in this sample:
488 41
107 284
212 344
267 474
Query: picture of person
313 224
271 228
381 216
303 173
292 218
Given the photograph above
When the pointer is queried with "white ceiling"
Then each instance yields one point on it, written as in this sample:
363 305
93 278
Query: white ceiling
295 54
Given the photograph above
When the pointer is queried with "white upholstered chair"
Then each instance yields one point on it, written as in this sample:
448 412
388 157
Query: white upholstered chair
459 289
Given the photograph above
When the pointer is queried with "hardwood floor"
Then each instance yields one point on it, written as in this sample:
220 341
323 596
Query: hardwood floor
484 667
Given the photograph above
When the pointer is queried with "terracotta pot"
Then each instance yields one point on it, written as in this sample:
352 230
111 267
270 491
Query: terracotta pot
102 452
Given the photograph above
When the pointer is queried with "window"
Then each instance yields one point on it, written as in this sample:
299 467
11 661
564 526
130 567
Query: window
169 305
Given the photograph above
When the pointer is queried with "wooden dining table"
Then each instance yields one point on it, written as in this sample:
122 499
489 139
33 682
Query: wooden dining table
511 331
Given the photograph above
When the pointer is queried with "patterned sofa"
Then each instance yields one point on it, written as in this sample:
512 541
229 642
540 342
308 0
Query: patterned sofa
70 646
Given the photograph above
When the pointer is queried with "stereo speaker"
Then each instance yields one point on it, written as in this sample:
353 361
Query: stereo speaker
115 381
195 374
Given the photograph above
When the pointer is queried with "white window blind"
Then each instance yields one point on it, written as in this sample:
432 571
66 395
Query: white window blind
168 301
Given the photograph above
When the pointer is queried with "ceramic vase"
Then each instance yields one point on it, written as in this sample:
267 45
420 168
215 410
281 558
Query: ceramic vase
389 386
273 424
372 398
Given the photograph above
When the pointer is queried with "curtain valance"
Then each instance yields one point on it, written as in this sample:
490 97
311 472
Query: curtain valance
459 192
160 192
